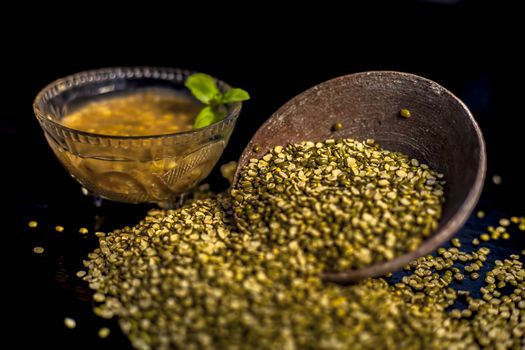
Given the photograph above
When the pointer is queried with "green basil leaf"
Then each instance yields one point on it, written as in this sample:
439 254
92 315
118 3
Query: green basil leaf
207 116
235 95
203 87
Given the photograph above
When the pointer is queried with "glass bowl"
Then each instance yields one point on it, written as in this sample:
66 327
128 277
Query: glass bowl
131 169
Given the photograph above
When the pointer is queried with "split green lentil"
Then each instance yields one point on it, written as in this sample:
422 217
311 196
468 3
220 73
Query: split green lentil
504 222
497 179
228 171
99 297
59 229
83 231
405 113
346 203
81 273
337 126
32 224
70 323
103 332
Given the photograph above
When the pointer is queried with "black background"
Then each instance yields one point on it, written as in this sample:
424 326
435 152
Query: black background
471 48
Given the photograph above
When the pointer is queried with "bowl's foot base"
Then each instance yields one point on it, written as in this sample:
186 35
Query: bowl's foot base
95 200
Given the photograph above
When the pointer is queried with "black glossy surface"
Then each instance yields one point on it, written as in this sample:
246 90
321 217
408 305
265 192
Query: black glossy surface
468 48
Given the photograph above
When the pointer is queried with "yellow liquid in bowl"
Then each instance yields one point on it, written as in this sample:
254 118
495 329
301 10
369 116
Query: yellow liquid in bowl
139 113
138 170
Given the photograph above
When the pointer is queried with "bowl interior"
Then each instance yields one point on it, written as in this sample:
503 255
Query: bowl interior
440 132
74 94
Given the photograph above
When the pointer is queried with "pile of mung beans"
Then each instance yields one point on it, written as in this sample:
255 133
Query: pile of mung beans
191 279
347 203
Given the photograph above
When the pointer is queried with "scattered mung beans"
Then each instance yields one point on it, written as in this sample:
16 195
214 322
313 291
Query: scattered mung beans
187 278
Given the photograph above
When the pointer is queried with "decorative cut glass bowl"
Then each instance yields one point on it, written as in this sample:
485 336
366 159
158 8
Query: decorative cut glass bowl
131 169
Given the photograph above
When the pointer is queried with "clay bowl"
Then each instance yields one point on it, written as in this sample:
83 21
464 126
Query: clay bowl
441 132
